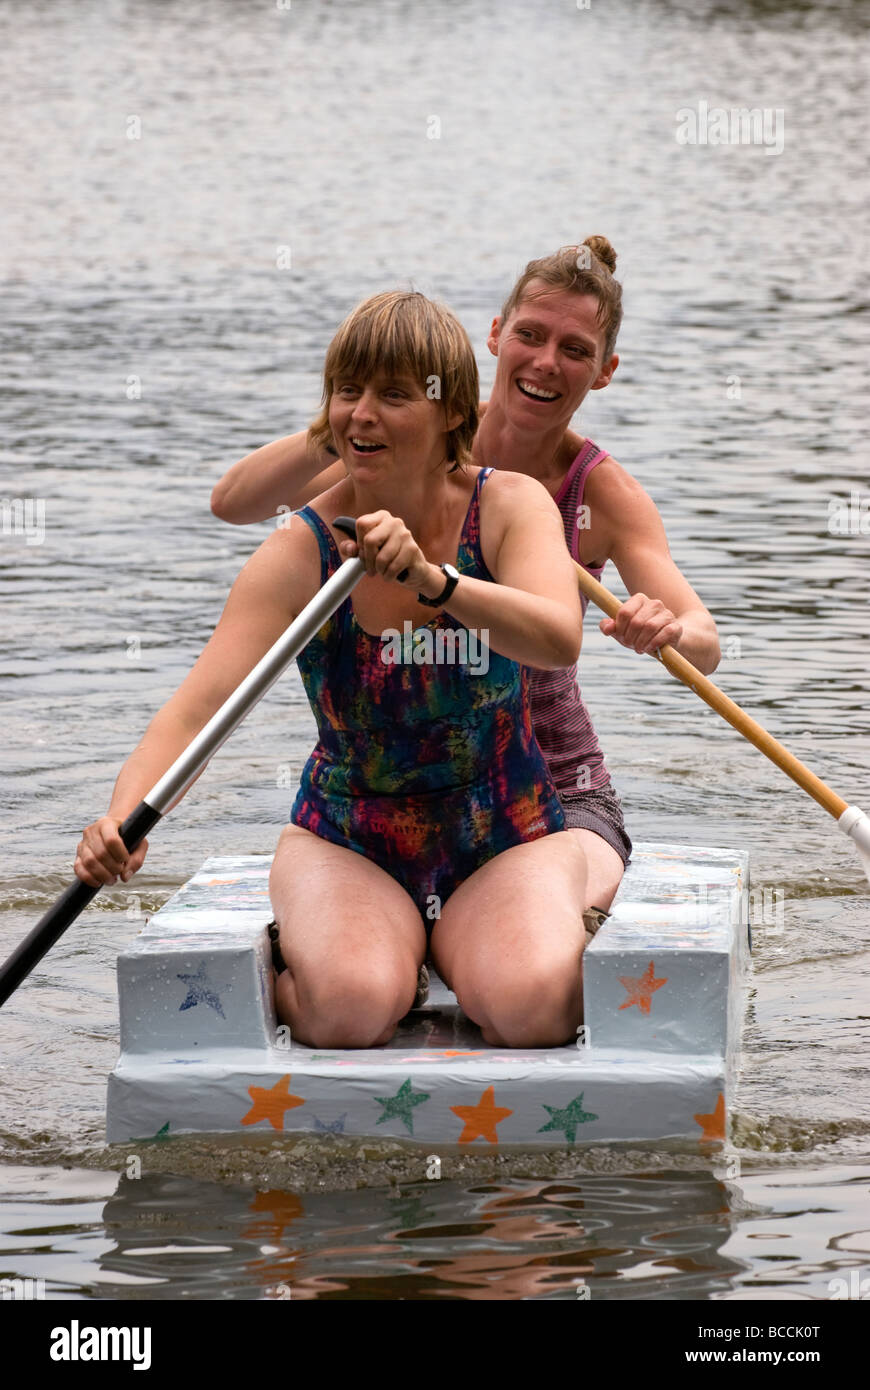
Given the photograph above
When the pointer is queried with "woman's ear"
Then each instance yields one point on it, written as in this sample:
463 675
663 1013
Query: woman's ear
604 376
494 334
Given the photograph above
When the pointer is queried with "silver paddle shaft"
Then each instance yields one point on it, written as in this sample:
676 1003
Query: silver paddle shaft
186 768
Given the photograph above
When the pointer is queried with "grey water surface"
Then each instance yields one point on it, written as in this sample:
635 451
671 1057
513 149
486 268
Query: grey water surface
194 196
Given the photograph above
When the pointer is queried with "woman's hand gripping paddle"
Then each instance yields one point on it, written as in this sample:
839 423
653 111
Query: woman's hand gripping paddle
851 820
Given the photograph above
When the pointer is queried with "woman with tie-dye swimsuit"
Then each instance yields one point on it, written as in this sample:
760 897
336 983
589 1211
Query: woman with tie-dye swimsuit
429 768
426 809
426 816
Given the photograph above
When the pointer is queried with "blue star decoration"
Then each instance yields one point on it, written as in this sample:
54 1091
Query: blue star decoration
200 990
401 1105
330 1126
568 1119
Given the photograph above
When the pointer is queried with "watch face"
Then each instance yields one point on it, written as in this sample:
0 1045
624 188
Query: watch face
450 571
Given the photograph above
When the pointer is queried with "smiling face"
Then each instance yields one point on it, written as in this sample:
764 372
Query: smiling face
399 359
549 357
386 426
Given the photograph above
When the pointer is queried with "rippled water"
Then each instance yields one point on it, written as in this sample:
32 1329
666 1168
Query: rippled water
662 1235
149 340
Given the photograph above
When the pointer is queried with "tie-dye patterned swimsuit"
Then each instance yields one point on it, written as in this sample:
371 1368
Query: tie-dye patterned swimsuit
427 767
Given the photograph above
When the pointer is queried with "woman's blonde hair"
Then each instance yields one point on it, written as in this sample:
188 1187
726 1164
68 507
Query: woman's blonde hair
586 269
404 333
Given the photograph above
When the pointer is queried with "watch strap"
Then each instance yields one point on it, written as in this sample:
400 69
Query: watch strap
451 580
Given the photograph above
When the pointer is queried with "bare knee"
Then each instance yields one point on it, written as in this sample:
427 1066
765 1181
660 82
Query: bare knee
345 1008
536 1007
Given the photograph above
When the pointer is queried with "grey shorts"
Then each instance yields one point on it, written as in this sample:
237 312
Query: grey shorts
599 810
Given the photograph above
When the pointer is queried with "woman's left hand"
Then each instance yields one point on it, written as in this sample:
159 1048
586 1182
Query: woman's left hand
643 624
386 547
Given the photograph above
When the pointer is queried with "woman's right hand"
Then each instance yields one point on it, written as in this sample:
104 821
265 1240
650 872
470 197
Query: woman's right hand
387 547
103 858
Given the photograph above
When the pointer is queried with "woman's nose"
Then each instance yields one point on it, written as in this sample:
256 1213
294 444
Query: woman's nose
365 406
546 357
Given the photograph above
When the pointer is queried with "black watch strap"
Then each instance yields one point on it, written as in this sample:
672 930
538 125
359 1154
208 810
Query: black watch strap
451 576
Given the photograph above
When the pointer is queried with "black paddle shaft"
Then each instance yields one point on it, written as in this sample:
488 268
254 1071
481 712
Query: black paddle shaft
71 902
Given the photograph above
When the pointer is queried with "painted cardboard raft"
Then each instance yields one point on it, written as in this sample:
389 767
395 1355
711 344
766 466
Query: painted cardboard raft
663 996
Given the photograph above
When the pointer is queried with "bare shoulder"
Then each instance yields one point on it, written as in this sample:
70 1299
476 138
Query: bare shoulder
610 477
613 492
285 569
273 586
518 510
510 490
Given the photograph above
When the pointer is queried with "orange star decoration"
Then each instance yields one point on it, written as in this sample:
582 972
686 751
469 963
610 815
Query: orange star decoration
480 1120
641 991
713 1125
271 1104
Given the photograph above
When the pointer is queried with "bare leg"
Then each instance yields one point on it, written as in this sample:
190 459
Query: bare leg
510 939
352 940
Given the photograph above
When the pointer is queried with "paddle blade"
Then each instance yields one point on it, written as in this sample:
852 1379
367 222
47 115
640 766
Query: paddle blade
69 905
856 825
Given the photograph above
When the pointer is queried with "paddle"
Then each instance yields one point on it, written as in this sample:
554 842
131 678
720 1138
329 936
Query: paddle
187 767
850 819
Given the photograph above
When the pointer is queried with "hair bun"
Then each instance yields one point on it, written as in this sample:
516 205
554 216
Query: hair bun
602 251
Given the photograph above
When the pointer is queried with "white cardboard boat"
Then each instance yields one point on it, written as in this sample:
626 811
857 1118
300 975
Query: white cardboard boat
664 999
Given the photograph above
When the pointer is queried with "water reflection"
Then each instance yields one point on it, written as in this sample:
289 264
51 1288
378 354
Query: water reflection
654 1236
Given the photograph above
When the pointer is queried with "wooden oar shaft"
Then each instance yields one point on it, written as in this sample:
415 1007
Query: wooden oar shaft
684 671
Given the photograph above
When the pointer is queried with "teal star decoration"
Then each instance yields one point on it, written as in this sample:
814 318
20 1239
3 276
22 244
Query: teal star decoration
401 1105
411 1212
568 1119
162 1133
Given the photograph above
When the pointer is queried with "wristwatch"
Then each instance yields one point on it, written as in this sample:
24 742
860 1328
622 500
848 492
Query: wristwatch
452 577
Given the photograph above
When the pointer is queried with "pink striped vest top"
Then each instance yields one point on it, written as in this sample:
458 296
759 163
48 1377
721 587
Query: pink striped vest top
561 722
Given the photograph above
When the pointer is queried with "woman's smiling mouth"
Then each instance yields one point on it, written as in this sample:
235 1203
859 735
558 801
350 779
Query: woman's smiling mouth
365 446
537 393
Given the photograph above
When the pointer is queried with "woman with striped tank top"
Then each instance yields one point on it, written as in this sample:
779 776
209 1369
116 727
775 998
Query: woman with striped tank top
554 342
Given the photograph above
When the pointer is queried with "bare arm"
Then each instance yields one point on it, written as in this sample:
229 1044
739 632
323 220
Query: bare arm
663 607
542 625
532 614
283 474
272 588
